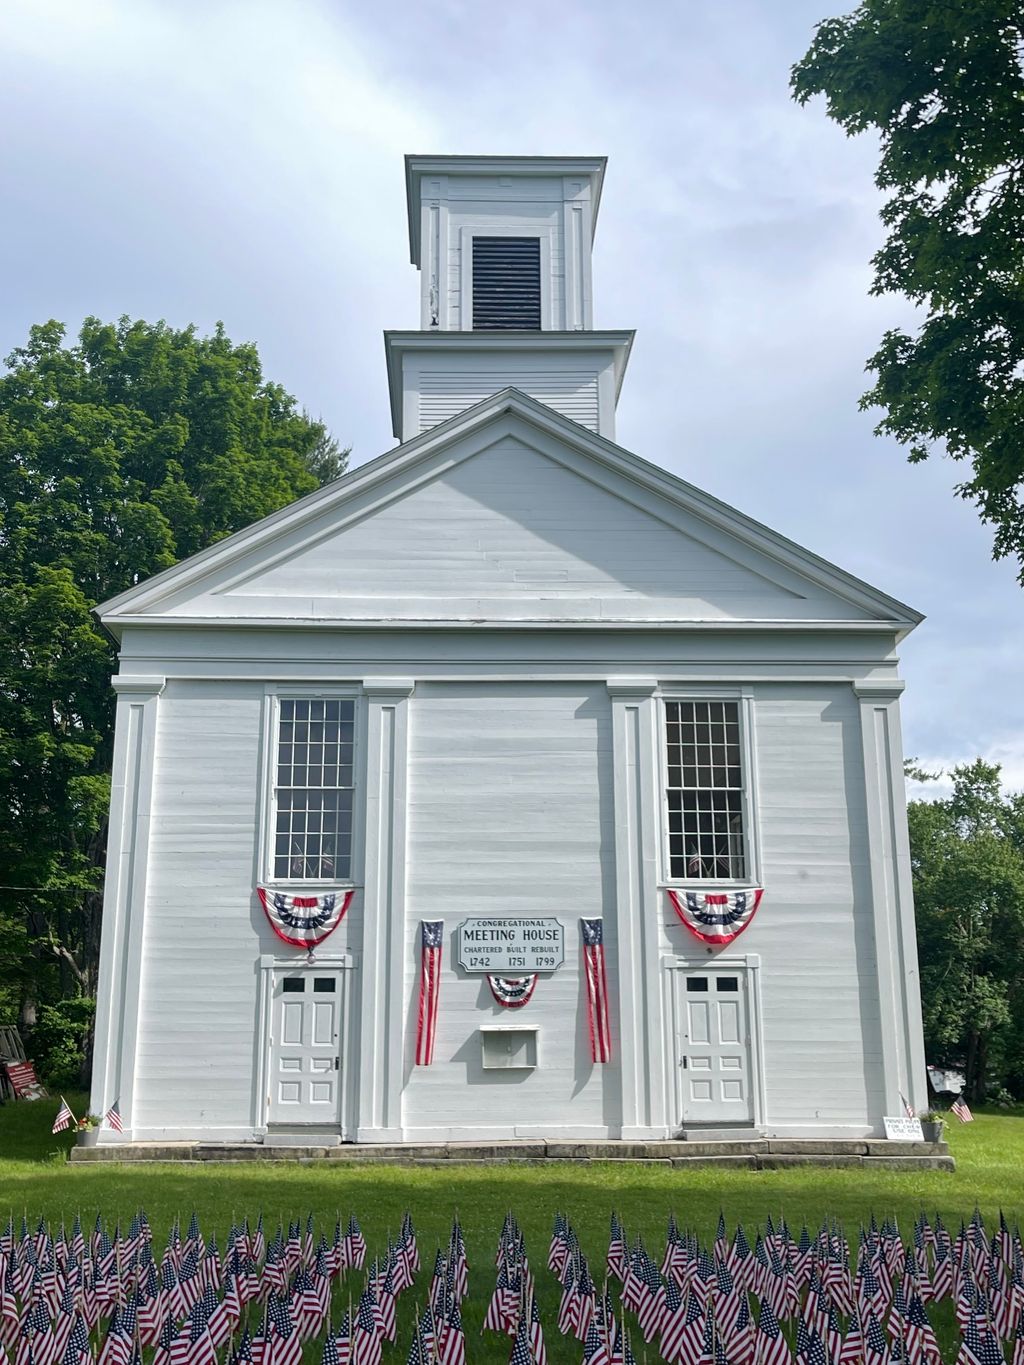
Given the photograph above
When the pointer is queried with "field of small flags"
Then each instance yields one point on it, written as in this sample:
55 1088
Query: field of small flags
767 1296
611 1264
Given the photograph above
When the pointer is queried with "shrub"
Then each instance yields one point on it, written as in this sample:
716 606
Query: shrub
59 1040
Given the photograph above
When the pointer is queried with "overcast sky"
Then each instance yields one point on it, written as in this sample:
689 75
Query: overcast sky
198 160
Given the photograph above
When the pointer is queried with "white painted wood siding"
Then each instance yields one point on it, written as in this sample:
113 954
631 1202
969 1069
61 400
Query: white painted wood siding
512 533
443 392
509 814
205 929
814 931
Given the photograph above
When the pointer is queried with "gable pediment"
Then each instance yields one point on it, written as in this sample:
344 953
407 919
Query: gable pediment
511 518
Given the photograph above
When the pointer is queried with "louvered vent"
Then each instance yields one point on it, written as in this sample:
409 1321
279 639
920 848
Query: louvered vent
506 283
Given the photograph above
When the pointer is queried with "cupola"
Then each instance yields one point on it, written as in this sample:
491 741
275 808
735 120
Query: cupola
503 246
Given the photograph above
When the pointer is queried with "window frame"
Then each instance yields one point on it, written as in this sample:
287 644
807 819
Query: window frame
546 234
274 695
743 698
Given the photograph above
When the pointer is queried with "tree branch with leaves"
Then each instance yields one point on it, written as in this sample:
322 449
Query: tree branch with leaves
942 85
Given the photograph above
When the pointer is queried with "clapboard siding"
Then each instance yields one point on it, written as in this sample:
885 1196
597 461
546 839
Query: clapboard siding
814 930
509 815
512 533
445 392
205 929
821 1012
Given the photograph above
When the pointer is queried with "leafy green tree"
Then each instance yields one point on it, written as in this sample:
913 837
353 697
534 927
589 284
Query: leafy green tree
967 853
119 455
942 84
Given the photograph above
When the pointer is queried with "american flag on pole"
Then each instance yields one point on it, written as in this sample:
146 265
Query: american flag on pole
432 931
113 1116
960 1109
597 990
64 1117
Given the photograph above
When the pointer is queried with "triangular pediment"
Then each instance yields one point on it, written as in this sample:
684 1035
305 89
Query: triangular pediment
510 516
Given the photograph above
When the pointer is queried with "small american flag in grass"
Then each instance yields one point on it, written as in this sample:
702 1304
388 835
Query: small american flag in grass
960 1109
64 1117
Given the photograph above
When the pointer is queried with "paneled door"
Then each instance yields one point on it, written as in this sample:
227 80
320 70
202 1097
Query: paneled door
714 1051
305 1048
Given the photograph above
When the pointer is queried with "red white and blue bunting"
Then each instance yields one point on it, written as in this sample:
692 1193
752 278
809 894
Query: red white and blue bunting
512 992
432 942
597 990
716 917
304 921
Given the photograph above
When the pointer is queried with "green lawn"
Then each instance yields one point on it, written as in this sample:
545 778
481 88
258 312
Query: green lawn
35 1179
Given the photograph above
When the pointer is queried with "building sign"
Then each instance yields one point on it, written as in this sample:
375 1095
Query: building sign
511 947
902 1129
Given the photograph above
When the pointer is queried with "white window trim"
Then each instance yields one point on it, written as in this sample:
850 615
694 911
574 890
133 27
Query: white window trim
748 749
466 235
273 694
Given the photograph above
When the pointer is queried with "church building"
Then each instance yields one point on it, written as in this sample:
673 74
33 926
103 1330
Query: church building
508 787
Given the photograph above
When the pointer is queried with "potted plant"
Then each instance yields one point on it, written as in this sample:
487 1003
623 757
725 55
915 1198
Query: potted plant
932 1124
88 1130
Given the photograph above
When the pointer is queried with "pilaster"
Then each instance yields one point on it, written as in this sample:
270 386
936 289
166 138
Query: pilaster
899 987
124 896
641 1032
381 1033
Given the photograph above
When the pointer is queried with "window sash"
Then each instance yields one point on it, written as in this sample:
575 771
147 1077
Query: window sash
706 815
313 790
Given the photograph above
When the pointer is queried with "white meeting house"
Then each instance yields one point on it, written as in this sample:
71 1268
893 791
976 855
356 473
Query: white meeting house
509 786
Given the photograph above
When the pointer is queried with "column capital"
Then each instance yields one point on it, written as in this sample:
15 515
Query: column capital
388 689
128 684
636 689
879 689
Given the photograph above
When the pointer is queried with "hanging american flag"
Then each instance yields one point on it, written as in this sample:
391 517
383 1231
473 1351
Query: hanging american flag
64 1118
304 921
597 990
113 1116
716 917
432 933
960 1109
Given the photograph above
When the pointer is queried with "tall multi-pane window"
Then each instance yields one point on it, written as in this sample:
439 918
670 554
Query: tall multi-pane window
705 790
313 790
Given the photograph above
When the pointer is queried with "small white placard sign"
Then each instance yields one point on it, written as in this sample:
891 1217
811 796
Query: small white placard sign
511 947
903 1129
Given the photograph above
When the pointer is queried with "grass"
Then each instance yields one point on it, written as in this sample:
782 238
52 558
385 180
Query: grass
36 1180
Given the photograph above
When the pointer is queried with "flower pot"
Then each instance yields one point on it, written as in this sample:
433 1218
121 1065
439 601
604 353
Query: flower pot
88 1137
932 1130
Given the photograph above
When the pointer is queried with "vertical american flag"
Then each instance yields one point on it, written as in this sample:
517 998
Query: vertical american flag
113 1116
64 1116
960 1109
597 990
430 977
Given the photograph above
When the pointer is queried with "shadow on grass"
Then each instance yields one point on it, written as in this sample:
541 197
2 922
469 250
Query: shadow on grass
26 1134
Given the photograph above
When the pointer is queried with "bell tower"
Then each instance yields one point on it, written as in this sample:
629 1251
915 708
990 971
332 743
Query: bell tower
503 246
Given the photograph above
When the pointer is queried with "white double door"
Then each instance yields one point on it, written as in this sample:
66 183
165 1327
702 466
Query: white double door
305 1066
714 1046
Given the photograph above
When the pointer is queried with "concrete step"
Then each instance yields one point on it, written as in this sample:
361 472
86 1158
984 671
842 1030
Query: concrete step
758 1153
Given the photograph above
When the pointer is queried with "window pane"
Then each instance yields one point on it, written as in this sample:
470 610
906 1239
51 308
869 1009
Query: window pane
312 836
727 983
323 983
704 791
293 985
696 983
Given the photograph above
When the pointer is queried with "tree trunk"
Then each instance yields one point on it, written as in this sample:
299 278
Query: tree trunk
971 1067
